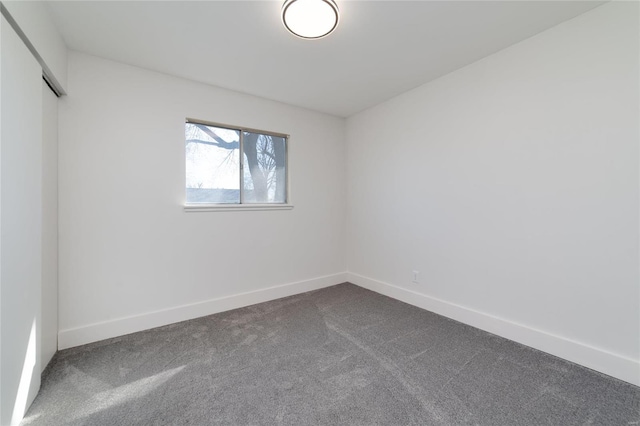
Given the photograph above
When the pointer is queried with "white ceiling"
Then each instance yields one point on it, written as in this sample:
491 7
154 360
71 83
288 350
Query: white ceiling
380 49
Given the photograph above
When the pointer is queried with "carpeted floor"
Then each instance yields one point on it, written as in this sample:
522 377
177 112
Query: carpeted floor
338 356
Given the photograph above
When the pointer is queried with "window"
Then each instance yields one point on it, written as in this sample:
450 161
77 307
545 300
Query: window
227 165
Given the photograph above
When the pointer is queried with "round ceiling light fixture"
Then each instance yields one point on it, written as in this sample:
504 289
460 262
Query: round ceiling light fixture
310 19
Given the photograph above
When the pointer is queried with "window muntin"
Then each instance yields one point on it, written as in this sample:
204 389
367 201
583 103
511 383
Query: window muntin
217 172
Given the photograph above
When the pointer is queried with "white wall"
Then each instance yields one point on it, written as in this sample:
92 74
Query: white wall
511 185
130 256
49 336
20 225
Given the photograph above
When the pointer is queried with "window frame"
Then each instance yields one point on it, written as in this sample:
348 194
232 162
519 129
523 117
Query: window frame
241 206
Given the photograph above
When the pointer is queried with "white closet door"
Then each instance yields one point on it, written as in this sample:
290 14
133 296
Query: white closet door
49 225
20 225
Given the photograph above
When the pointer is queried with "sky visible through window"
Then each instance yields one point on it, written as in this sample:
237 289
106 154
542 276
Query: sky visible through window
213 166
208 166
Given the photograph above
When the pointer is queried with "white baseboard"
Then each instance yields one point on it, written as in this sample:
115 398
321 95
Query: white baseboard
118 327
615 365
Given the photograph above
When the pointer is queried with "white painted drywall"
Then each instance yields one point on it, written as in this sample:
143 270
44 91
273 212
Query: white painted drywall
128 248
511 185
35 22
20 225
49 335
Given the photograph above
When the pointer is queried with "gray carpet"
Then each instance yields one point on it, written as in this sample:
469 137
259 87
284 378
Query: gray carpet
338 356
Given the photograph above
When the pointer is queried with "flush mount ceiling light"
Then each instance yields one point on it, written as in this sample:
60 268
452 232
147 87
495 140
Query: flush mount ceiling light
310 18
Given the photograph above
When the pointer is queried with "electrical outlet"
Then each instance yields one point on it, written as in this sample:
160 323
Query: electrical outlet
415 277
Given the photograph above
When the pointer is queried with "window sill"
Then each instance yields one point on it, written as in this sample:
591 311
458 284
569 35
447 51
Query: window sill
234 207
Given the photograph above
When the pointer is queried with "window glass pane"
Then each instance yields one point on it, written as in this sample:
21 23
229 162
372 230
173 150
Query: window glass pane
264 179
213 167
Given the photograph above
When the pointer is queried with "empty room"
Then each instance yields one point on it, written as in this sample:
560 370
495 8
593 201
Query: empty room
320 212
